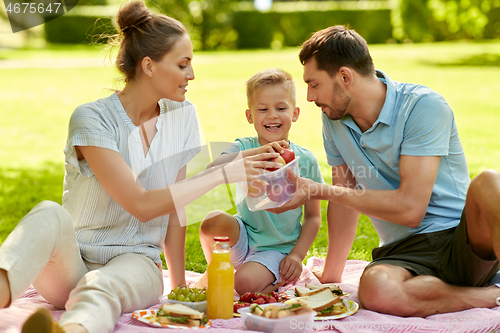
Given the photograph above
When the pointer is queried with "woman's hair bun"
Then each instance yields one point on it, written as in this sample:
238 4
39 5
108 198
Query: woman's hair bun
132 15
143 34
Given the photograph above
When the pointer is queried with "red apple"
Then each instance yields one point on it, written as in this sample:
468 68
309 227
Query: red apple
288 155
280 190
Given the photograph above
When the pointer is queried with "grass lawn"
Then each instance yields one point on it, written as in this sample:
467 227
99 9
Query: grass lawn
37 103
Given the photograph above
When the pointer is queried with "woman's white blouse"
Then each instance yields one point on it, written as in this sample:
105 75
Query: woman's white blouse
103 228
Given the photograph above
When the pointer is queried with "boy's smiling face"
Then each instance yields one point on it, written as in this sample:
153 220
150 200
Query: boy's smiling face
272 112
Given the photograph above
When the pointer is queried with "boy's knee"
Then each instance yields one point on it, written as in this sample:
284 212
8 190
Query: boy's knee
214 222
244 283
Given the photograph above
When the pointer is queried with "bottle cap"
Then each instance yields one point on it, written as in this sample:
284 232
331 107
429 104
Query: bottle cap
221 239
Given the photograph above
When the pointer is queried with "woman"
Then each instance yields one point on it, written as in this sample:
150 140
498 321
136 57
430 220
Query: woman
98 255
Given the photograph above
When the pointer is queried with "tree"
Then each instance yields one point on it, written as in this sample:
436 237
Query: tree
428 20
208 21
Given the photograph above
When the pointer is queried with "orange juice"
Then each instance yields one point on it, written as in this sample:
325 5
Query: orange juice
220 291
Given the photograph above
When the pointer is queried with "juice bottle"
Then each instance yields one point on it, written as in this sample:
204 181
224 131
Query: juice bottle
220 291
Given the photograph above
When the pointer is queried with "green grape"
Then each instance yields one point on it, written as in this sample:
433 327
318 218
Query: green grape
185 294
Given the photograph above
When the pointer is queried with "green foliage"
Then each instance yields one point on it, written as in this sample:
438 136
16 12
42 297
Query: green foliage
208 21
439 20
492 29
92 2
79 29
221 25
228 24
265 29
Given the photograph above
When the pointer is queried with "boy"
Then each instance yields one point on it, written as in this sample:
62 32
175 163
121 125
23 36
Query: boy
267 249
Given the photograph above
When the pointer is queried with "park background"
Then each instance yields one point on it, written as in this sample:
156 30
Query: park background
46 71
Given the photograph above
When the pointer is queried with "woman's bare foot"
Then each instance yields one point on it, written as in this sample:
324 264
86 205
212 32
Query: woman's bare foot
318 273
202 282
4 289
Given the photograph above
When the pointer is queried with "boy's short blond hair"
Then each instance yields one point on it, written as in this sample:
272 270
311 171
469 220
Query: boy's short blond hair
269 77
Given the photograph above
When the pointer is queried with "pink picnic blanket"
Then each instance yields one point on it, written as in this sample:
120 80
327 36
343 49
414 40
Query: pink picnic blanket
363 321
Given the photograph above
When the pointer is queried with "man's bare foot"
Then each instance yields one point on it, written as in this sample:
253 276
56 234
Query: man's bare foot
202 282
4 289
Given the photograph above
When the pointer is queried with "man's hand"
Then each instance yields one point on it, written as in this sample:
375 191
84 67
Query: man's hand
290 268
301 196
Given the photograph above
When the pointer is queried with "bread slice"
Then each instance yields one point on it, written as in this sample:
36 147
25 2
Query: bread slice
180 310
308 292
172 321
336 309
322 300
333 287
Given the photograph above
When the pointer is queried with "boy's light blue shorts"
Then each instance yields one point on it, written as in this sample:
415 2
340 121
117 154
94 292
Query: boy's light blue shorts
241 253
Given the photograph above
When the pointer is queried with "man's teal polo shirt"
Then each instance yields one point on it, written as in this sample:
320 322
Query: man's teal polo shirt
414 120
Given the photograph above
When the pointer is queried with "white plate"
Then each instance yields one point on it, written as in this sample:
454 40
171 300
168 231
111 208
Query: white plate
144 317
352 307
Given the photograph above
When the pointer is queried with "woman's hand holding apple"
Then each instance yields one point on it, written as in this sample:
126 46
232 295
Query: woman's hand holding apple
248 168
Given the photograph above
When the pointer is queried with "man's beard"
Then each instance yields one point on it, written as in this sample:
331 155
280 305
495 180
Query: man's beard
336 110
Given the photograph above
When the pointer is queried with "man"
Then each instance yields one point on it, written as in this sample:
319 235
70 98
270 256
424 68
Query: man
396 157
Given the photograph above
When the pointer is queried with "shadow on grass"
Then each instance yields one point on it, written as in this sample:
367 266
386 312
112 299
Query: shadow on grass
22 189
478 60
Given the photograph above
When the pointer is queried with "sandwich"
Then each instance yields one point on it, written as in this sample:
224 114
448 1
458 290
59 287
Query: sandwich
180 315
333 287
326 303
275 311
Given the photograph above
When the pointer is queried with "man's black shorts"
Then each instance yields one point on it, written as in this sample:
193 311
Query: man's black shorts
443 254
